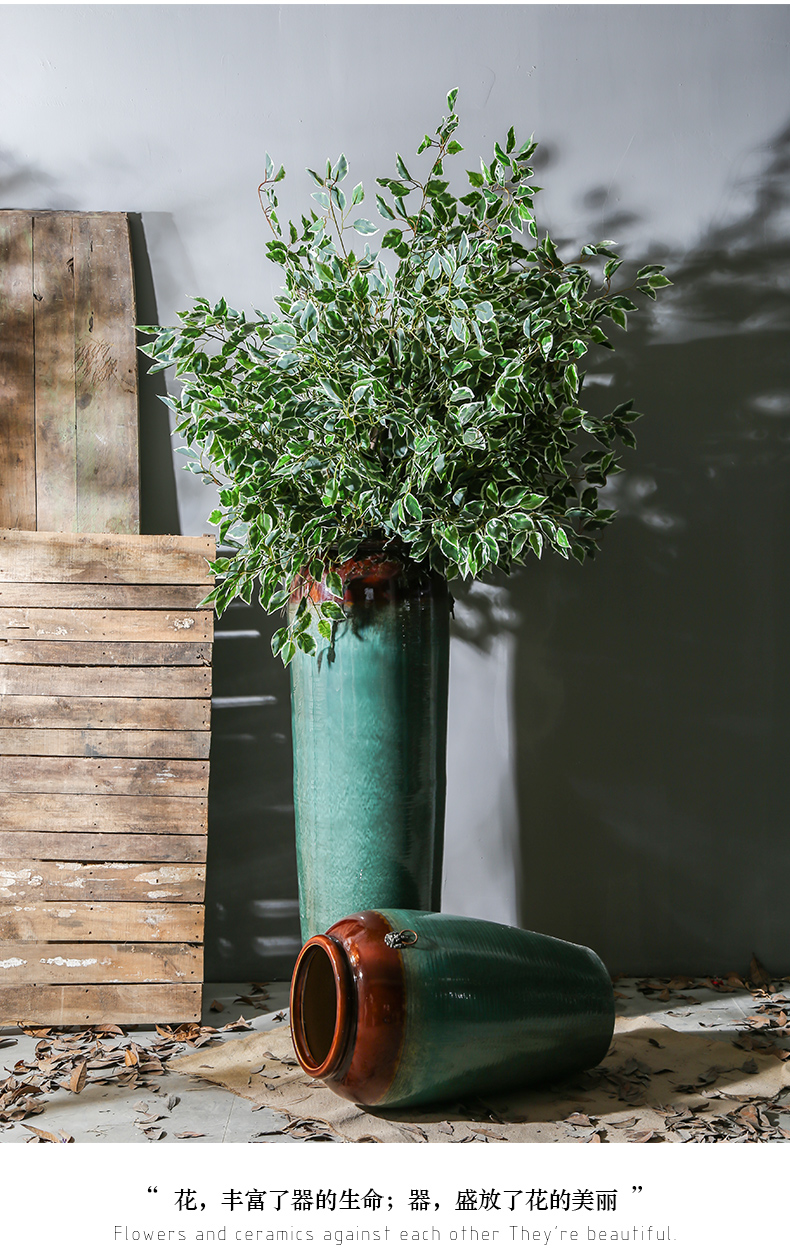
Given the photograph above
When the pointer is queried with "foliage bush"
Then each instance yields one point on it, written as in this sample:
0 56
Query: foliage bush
431 404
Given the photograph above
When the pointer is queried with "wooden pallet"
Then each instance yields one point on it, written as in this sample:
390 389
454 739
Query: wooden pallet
105 698
68 373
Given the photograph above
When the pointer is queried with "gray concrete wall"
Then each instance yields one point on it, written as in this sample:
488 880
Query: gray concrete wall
619 737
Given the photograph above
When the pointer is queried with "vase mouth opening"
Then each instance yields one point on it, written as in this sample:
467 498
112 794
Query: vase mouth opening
320 1007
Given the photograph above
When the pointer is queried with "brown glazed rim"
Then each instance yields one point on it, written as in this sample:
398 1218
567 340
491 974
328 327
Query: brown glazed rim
343 1019
369 1030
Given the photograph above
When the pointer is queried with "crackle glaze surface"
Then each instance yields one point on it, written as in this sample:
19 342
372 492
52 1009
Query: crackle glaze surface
369 716
472 1007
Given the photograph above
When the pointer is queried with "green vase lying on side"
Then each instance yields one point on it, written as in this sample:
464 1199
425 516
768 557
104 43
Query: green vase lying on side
399 1007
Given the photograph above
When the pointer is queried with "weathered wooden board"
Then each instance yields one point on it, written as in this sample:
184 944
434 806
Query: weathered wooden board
119 921
22 742
45 557
105 701
95 712
68 385
107 776
101 846
102 596
183 682
105 624
25 880
105 356
55 396
17 372
45 811
28 652
99 963
124 1003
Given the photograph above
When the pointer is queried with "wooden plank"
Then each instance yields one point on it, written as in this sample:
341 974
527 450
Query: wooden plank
17 402
107 624
98 846
56 422
26 880
59 963
184 682
45 811
47 557
95 653
120 921
108 486
103 595
105 776
22 742
95 712
120 1003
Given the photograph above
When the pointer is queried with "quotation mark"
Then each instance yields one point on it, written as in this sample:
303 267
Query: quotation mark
634 1188
152 1189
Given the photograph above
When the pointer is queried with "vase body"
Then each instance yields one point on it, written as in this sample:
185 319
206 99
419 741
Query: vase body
461 1007
369 719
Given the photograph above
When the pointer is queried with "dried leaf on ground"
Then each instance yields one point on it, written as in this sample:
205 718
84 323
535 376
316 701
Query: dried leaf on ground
758 975
50 1137
241 1024
78 1077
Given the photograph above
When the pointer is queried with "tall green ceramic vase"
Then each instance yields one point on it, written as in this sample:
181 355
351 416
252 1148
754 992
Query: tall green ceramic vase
398 1007
369 717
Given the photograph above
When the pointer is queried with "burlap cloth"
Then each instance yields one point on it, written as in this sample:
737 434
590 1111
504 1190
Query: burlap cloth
655 1083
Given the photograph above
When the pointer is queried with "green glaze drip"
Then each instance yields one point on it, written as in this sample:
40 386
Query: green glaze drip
492 1007
369 719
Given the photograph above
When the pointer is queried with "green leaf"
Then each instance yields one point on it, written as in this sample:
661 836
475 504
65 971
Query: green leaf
412 507
459 329
448 542
279 640
305 642
358 194
454 147
364 227
341 169
473 438
334 583
384 209
452 96
484 312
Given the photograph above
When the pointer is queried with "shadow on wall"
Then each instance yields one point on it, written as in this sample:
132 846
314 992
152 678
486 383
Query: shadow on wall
158 502
651 686
252 913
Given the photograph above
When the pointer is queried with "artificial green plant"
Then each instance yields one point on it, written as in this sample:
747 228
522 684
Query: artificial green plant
431 403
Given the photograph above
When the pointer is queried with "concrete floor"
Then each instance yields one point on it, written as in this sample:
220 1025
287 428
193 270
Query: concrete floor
207 1114
111 1114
